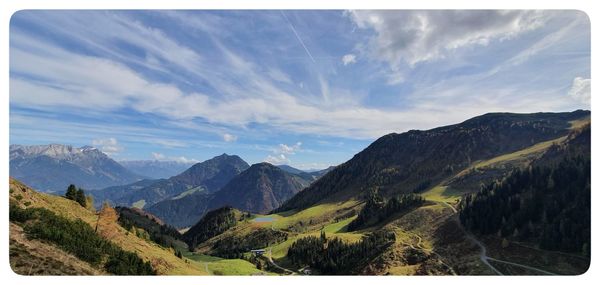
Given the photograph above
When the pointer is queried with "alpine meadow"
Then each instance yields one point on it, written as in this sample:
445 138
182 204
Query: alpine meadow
300 142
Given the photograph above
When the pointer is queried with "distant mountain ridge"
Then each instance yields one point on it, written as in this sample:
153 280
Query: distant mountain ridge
53 167
156 169
208 176
259 189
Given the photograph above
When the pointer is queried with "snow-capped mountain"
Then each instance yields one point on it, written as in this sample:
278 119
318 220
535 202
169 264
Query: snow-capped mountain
51 168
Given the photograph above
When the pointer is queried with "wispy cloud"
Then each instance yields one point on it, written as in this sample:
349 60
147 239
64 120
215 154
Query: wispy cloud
243 77
110 146
229 138
348 59
581 90
161 157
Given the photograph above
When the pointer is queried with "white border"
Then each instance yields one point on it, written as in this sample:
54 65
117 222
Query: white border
8 7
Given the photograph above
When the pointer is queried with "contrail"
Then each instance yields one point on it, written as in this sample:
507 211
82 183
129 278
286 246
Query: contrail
298 37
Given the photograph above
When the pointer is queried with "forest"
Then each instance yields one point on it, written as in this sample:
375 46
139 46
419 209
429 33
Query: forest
545 205
162 234
333 256
212 224
78 238
378 209
235 246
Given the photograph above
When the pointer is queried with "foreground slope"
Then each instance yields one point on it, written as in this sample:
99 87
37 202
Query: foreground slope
162 260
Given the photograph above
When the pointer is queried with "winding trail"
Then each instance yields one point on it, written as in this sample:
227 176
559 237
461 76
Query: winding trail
431 251
270 258
483 250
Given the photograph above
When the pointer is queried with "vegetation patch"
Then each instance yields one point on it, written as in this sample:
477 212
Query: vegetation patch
235 246
334 256
378 209
79 239
549 206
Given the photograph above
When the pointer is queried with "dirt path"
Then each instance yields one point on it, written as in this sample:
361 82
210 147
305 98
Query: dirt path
483 250
421 248
270 258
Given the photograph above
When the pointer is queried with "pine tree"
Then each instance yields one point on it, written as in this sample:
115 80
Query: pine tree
80 197
71 192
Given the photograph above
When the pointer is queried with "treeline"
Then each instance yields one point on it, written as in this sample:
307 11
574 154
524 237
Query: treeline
546 205
78 195
378 209
162 234
236 246
212 224
334 256
79 239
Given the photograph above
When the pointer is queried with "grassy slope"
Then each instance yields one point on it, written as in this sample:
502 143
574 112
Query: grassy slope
34 257
221 266
429 229
163 260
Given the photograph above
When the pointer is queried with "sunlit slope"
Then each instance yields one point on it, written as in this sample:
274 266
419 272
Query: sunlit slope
163 260
417 160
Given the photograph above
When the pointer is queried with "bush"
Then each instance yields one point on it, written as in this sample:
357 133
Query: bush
79 239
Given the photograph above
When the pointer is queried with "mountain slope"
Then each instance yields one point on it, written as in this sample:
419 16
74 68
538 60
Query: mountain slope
105 223
156 169
208 176
401 163
259 189
51 168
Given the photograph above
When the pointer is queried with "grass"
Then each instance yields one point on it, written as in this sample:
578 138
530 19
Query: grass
139 204
188 192
338 227
319 214
576 124
162 259
521 154
221 266
441 193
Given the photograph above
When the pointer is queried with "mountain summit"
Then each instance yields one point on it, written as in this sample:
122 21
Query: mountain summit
53 167
259 189
207 177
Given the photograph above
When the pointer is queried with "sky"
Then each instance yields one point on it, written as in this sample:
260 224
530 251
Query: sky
305 88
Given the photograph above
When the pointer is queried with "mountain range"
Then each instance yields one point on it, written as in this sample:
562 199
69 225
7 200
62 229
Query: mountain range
500 193
208 176
51 168
259 189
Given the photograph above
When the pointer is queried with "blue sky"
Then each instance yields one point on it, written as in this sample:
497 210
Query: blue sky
305 88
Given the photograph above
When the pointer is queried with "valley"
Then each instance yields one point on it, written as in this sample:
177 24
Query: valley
399 207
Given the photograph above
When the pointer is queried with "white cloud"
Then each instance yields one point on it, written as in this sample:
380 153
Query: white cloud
287 149
349 59
282 152
110 146
248 92
158 156
277 159
410 37
581 90
182 159
278 75
229 138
